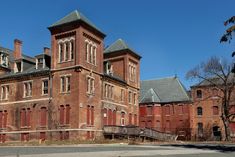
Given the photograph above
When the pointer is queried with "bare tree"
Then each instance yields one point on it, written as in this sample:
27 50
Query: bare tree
217 72
227 37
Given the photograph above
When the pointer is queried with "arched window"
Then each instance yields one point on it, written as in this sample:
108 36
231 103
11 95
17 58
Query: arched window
71 49
199 93
61 50
199 111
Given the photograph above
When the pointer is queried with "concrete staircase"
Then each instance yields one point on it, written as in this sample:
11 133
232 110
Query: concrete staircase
134 131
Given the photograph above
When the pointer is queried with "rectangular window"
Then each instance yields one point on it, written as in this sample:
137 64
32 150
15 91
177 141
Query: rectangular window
61 114
67 118
108 91
61 54
200 129
180 109
4 92
122 118
90 115
105 90
72 49
43 114
64 114
1 119
110 117
134 98
66 51
167 125
5 119
215 110
28 89
135 119
132 71
62 84
91 50
149 110
94 56
90 85
44 87
114 117
122 95
130 118
87 51
25 117
18 67
91 55
130 97
65 82
167 110
68 83
199 94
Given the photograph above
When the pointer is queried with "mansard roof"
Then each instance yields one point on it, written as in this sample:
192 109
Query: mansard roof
30 69
119 45
163 90
74 17
11 57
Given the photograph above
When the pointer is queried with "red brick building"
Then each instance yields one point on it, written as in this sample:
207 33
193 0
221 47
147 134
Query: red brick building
70 91
165 106
206 121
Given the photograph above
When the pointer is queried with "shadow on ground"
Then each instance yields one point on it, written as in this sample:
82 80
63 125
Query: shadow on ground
220 148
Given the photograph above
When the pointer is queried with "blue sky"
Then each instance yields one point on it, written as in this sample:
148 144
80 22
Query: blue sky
172 36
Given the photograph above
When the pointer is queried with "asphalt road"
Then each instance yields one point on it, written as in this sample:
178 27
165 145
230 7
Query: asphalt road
120 150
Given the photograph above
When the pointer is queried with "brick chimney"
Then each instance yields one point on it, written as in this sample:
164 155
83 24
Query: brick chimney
47 50
17 49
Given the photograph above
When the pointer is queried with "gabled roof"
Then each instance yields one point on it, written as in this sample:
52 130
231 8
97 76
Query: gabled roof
72 17
150 96
163 90
119 45
214 80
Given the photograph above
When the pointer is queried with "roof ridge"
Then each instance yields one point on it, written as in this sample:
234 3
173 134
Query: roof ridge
147 92
157 95
161 78
183 88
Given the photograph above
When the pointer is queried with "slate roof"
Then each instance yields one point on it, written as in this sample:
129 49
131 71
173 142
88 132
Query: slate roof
30 69
163 90
215 80
11 57
119 45
72 17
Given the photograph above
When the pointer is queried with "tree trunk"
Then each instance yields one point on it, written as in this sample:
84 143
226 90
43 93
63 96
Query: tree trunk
226 129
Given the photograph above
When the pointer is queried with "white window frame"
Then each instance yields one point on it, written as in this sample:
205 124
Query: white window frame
91 52
26 85
65 77
66 42
5 91
43 80
90 84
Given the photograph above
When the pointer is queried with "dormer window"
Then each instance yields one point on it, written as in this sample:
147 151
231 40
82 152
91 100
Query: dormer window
40 63
4 60
18 67
108 68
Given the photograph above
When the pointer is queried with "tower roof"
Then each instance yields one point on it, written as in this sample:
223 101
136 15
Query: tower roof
119 45
73 17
